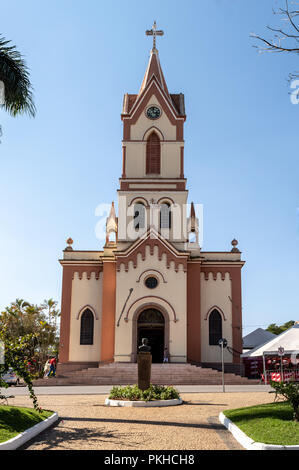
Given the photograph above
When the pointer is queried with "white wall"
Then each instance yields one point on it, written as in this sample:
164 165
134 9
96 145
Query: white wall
85 292
172 291
215 293
178 232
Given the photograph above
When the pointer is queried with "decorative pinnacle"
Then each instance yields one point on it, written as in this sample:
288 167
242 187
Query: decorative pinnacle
234 244
69 242
154 32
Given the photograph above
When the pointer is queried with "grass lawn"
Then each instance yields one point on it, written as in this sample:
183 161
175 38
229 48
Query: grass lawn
271 423
14 420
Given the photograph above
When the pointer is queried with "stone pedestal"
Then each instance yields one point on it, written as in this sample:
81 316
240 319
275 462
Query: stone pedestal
144 360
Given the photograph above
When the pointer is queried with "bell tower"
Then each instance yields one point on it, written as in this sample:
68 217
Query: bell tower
153 158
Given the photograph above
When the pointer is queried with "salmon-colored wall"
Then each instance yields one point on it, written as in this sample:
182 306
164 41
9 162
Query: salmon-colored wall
108 311
236 312
193 313
65 313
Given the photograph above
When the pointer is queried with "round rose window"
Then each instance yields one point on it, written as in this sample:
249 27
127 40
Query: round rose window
151 282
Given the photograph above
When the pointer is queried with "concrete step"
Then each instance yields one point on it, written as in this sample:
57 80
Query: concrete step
162 374
123 381
58 382
154 374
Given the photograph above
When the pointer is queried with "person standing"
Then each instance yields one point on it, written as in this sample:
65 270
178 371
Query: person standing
47 368
165 357
52 367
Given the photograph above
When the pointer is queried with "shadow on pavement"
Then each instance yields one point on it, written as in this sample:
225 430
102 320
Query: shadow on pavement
60 437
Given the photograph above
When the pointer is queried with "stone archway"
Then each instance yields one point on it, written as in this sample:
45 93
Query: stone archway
151 322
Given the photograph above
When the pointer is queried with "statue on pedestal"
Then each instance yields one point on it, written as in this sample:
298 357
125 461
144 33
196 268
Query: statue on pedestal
144 360
144 346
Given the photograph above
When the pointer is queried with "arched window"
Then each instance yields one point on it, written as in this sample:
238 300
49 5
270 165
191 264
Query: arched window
86 327
139 216
192 237
165 216
153 154
215 328
151 317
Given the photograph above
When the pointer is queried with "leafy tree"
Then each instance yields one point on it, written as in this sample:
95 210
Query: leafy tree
16 357
290 391
14 74
52 312
276 330
37 322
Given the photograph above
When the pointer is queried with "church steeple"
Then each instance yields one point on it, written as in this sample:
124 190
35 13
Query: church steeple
153 76
154 66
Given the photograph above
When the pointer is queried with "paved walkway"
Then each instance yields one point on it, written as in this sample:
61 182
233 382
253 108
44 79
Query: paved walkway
105 389
87 424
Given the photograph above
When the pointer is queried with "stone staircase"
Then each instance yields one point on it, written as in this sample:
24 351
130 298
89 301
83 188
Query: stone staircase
162 374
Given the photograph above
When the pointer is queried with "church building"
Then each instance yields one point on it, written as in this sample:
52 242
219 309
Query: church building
151 280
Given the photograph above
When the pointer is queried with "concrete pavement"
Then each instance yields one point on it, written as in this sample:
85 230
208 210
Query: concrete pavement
105 389
87 424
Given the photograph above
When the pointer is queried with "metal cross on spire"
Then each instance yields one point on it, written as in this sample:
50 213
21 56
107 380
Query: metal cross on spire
154 32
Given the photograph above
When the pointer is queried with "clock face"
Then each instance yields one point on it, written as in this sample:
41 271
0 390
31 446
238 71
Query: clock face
153 112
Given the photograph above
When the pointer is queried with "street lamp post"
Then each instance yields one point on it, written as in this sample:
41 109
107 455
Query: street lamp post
222 343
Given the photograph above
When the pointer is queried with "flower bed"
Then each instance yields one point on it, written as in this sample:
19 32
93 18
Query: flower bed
154 392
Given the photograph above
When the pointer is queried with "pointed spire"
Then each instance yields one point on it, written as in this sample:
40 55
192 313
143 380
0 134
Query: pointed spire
154 73
192 217
154 68
192 227
111 223
112 214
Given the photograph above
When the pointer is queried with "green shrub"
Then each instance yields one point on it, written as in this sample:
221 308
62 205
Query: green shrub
290 391
133 393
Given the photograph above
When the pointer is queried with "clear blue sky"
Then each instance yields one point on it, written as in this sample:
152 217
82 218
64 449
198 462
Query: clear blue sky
241 137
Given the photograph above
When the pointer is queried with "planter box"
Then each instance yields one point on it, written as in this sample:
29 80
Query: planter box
136 403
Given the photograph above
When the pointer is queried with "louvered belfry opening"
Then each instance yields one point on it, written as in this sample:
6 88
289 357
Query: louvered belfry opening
139 216
153 154
87 326
165 216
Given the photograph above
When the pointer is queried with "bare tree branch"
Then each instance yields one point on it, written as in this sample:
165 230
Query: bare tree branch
273 46
283 40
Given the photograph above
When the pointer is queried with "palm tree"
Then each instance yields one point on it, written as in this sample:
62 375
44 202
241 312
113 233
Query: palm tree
52 313
18 98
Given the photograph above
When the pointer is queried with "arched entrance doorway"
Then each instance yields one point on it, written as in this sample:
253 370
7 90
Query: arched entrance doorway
151 325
